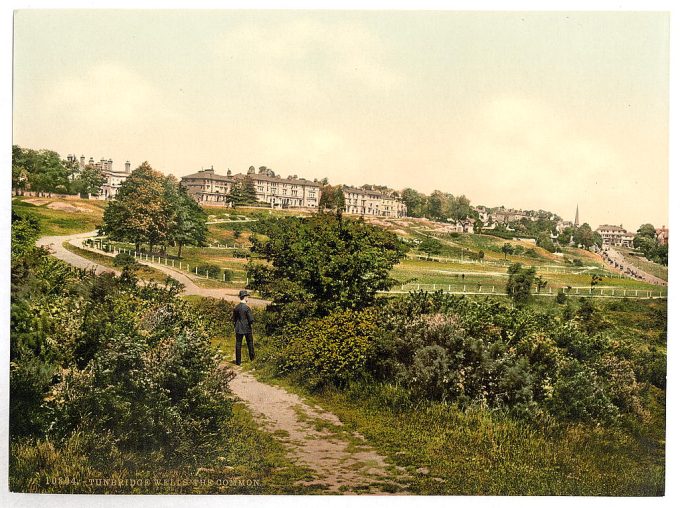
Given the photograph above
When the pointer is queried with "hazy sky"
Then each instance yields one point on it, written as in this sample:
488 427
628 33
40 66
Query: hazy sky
526 110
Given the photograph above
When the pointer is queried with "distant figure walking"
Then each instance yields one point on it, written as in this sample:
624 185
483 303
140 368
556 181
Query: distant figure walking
243 321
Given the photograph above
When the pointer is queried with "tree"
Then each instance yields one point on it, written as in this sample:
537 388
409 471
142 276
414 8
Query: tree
139 212
89 181
458 207
414 201
506 249
647 230
332 199
324 262
565 236
540 283
584 236
39 171
248 191
431 246
520 281
436 204
544 241
243 192
594 281
188 226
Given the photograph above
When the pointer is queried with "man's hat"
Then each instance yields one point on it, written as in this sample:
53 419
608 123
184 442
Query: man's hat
243 293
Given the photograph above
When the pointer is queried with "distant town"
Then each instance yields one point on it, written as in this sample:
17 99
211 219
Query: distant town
210 188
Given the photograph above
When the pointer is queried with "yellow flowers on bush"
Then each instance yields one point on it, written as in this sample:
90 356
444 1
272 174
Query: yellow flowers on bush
330 350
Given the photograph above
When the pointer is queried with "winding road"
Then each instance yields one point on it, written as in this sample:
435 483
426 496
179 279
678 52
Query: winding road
57 249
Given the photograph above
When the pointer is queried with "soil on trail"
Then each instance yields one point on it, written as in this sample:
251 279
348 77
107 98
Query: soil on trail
341 460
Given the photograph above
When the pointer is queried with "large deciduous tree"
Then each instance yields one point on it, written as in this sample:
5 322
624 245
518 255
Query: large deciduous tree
39 171
139 213
332 199
188 224
89 181
325 262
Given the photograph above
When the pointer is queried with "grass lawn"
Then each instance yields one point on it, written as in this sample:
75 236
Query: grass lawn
457 275
144 272
249 461
67 216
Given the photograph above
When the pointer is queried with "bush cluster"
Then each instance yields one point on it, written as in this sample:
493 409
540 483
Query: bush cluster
332 350
483 353
439 347
121 364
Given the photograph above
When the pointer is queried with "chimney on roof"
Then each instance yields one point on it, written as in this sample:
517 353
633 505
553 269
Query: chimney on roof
127 166
82 161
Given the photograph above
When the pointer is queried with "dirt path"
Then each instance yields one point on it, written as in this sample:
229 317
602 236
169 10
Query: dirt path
190 288
342 461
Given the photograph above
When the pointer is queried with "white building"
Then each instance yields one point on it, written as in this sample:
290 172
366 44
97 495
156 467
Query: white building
615 235
114 179
373 203
208 187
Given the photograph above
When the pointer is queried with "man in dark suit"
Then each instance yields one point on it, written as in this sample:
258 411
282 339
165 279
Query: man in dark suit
243 322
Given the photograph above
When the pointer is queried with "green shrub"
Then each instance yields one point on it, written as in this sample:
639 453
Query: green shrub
124 259
328 351
561 297
214 272
580 395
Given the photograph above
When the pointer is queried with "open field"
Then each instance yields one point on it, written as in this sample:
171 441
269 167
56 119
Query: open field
453 268
59 216
143 272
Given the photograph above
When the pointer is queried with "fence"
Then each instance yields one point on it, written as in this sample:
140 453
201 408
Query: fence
539 268
161 260
227 246
481 289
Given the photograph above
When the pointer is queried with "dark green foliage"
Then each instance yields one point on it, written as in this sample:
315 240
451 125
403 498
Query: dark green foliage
127 364
25 232
154 209
332 199
647 243
474 353
39 171
243 192
520 281
586 237
326 261
561 297
89 181
330 350
123 259
212 271
431 246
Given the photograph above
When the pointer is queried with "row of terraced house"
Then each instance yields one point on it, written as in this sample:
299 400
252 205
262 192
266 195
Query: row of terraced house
209 188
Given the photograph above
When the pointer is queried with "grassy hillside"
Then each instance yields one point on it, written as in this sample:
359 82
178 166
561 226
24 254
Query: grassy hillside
60 216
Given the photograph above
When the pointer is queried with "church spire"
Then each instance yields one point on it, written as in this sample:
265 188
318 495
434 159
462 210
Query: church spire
576 224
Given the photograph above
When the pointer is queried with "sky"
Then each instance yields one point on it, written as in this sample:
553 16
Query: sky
530 110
